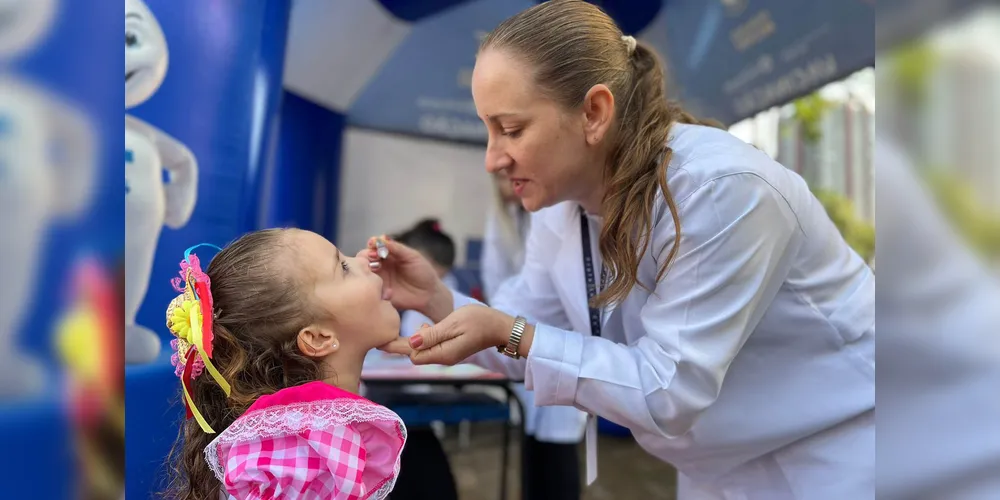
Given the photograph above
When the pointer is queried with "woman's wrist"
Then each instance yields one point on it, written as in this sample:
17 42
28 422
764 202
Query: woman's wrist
526 338
504 330
442 303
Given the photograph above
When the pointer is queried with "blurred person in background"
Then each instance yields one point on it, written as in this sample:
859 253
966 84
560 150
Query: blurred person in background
550 466
507 225
677 281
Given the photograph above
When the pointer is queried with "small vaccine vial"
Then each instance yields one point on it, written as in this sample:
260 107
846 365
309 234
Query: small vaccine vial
383 253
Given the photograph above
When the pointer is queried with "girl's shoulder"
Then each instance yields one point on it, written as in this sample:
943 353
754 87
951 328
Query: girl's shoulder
310 438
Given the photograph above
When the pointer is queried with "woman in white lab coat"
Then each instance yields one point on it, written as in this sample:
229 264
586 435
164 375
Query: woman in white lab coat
550 469
733 328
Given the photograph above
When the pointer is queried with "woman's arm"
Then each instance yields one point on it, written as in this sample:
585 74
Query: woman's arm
530 293
737 241
735 250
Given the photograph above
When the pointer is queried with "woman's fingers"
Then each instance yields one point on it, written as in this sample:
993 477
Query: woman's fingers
397 251
371 252
399 346
448 353
438 344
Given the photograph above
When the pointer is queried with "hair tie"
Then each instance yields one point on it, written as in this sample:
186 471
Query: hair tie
629 43
436 227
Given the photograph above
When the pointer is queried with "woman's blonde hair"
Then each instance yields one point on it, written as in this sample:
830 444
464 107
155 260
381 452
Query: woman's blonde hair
572 46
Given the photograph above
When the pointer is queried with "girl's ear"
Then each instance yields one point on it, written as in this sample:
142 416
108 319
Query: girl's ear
316 341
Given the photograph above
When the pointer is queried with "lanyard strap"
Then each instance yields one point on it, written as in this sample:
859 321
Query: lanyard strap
588 274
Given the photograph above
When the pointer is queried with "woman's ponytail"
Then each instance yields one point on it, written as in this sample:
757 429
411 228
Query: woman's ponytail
636 173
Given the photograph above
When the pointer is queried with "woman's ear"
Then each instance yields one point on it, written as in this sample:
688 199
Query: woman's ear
317 342
599 113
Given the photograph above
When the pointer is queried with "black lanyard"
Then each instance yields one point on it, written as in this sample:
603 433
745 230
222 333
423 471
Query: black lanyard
588 274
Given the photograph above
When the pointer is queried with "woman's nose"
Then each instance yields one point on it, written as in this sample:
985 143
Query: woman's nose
497 159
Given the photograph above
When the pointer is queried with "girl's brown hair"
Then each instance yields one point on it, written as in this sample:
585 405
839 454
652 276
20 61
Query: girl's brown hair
572 46
259 314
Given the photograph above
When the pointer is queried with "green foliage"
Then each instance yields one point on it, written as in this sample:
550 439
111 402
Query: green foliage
979 227
809 111
910 67
859 233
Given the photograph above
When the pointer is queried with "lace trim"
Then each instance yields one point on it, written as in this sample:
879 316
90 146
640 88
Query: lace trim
298 417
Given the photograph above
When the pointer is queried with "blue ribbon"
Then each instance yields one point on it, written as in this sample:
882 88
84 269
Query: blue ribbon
187 253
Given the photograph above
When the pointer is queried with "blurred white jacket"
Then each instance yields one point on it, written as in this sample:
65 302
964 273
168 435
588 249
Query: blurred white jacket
751 365
503 245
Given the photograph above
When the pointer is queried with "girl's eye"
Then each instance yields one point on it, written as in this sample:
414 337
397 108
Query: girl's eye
513 134
343 265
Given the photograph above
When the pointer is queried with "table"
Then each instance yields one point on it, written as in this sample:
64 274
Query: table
385 370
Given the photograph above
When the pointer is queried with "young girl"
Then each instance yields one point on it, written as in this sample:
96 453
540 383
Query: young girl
271 340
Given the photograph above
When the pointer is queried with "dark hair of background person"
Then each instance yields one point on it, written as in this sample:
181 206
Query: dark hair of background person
427 236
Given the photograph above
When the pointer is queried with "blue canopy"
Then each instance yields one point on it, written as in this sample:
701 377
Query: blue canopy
404 65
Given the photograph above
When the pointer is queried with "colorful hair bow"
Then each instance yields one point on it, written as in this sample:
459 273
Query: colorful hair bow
189 318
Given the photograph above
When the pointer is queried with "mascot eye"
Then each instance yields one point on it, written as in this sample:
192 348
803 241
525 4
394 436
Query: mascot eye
131 40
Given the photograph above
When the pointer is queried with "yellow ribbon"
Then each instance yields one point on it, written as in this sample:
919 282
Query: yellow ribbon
198 339
194 411
215 374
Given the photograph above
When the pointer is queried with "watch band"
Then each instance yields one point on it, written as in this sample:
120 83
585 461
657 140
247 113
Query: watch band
510 349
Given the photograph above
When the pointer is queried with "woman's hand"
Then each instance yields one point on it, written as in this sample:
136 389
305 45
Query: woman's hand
400 347
412 281
466 331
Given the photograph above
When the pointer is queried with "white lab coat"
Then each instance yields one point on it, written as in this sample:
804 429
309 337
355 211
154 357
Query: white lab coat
751 367
502 260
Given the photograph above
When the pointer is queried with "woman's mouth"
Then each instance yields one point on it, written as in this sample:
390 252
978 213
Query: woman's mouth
518 185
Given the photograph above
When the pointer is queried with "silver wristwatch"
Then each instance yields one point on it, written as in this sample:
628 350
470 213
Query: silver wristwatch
515 338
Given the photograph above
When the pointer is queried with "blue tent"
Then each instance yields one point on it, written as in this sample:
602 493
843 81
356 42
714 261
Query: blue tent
403 66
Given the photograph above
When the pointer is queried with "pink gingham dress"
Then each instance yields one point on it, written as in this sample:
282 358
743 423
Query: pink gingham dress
313 441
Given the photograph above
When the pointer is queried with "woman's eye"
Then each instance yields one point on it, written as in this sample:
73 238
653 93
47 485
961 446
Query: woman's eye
514 134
